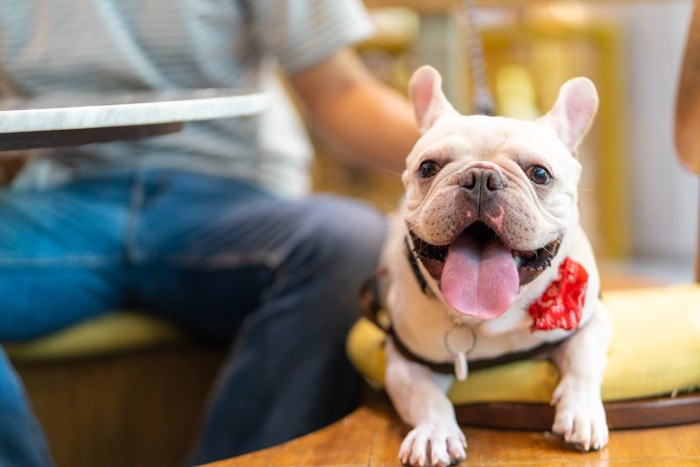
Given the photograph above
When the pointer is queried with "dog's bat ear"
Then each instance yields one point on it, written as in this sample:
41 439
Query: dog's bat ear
573 112
429 102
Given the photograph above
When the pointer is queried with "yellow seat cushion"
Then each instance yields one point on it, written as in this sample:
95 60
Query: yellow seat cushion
107 334
655 351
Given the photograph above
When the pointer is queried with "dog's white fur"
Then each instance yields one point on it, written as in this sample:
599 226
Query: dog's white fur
421 320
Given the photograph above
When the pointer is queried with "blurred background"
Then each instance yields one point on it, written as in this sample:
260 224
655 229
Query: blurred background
638 204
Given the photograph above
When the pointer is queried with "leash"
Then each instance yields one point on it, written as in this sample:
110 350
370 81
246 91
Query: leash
482 100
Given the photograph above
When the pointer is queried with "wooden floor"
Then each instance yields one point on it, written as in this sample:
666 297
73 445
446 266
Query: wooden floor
371 436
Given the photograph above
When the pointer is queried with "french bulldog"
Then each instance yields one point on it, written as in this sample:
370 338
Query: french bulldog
486 258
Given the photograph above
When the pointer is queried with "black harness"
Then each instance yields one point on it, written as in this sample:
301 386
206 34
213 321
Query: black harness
372 307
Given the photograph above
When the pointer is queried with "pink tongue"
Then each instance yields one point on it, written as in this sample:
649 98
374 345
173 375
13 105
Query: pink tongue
479 279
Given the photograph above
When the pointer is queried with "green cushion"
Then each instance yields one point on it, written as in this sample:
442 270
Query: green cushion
655 351
108 334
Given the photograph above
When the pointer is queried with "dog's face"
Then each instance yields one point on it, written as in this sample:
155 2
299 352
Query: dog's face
489 199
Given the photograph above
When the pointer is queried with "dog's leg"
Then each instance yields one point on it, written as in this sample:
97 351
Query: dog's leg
580 416
419 397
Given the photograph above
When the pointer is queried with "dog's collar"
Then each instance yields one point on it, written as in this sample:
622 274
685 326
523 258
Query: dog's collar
417 273
372 309
559 307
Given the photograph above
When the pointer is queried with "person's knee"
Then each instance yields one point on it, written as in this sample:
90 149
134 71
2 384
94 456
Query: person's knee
337 248
349 232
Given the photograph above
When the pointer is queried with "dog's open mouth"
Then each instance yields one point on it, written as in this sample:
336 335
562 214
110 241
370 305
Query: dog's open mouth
478 274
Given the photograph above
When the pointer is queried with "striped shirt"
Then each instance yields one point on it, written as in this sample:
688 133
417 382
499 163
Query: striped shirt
110 46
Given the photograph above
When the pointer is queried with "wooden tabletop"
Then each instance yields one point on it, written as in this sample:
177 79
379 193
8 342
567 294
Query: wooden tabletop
371 436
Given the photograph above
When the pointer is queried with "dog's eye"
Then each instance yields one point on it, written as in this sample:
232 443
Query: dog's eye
428 169
538 174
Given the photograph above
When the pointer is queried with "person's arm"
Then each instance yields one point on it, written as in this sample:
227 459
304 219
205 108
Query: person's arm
364 117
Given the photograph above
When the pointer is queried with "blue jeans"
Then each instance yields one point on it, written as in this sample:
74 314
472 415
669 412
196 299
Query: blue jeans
230 263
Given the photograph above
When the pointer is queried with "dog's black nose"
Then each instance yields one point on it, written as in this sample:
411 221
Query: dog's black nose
482 179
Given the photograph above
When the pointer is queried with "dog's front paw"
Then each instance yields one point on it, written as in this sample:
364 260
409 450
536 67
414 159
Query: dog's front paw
433 444
580 416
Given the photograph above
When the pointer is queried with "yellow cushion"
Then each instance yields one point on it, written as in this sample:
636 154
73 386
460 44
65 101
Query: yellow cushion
107 334
655 351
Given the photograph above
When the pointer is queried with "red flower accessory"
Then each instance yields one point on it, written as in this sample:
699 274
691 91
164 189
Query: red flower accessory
560 305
